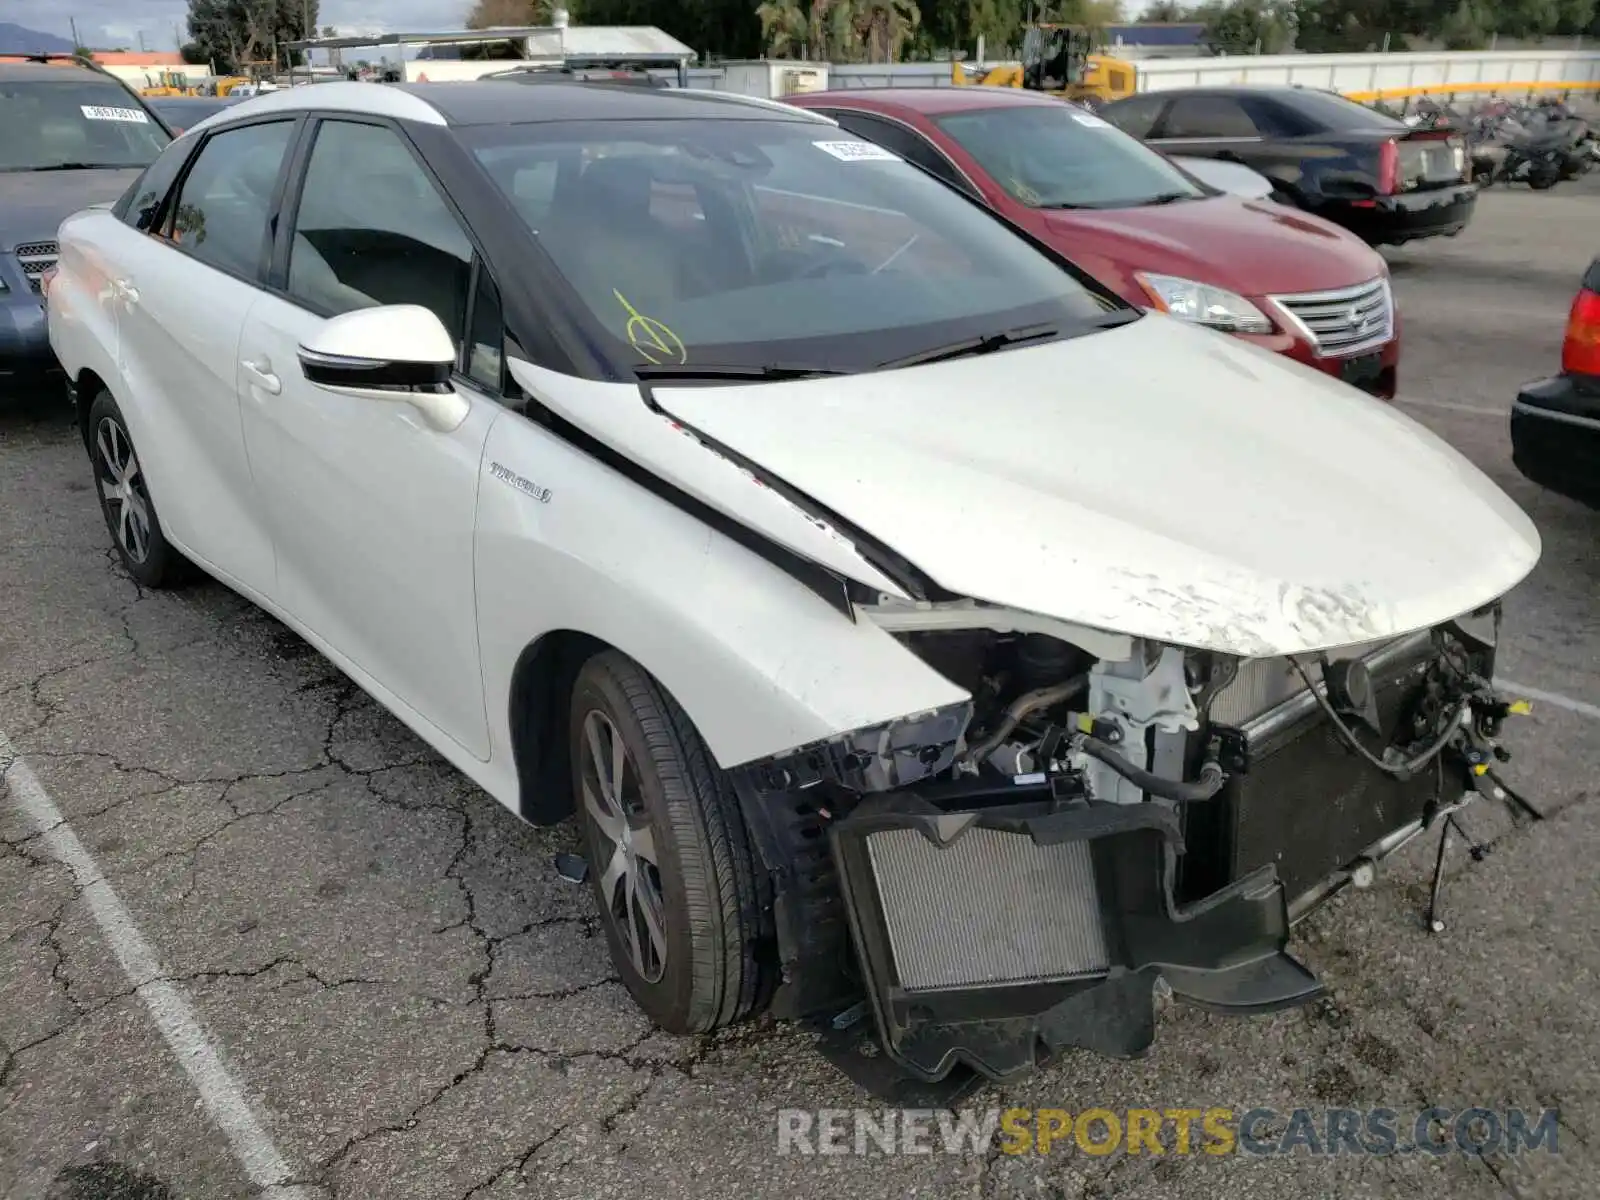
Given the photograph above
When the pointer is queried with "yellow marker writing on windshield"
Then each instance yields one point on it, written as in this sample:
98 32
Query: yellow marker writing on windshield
653 340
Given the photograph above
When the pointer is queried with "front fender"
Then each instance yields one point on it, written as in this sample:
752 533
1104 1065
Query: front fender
759 661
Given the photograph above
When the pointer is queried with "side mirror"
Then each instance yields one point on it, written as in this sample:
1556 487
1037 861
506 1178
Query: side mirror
395 352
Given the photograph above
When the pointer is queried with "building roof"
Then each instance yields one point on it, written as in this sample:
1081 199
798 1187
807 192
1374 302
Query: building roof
1157 33
637 42
138 58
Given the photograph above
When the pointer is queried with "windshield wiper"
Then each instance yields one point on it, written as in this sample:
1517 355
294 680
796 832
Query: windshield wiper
730 371
986 344
1167 198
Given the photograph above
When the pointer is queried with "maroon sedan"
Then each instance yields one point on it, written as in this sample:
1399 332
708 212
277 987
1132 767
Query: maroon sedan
1283 279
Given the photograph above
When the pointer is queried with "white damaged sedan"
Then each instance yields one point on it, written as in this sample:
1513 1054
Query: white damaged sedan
905 619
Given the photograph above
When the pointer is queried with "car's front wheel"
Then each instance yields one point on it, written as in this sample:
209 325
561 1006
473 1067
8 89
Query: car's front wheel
125 500
678 885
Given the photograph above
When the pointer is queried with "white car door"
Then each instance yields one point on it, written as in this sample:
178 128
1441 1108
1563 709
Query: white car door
184 290
372 510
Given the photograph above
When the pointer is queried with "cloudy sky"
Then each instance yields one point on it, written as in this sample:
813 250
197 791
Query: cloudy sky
120 22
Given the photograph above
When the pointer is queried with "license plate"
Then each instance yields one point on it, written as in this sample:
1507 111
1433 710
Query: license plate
1362 371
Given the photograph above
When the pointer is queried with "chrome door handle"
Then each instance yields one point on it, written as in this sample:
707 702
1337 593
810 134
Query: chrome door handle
261 374
125 289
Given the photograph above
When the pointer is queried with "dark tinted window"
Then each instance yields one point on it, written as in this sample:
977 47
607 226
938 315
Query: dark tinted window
185 112
1208 117
1058 156
485 348
372 229
1326 111
223 204
1135 116
51 124
810 245
907 143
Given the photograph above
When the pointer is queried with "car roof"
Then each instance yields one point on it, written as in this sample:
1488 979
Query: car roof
506 102
929 100
1226 89
12 72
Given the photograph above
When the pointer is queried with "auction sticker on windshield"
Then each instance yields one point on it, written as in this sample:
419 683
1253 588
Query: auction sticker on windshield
857 151
1092 121
129 116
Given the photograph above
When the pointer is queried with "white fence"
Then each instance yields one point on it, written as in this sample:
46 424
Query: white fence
1366 73
1354 74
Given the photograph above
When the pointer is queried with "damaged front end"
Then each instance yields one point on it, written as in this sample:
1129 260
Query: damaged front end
1022 872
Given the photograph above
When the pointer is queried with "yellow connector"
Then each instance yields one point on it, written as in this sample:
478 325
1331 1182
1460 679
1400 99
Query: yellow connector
1520 707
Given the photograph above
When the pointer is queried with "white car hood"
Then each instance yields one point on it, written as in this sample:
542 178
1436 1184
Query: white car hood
1156 480
1235 178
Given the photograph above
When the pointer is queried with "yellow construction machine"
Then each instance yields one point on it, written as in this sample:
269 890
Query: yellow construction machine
171 83
1059 60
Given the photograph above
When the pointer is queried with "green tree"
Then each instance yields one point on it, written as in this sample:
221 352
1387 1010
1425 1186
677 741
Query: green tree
1165 11
1247 26
1356 26
1465 27
486 13
718 28
784 27
956 25
231 33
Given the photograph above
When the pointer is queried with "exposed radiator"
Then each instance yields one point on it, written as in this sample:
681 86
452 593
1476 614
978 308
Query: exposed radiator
990 908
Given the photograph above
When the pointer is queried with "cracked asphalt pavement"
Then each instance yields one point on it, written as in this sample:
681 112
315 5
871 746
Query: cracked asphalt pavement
418 1007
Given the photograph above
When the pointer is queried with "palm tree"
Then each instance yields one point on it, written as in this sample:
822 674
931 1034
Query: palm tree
834 24
884 27
783 26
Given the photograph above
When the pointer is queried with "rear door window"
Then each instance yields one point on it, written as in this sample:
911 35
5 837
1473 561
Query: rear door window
1208 117
224 203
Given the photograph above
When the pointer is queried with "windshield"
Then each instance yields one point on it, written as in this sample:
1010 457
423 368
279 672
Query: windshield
55 124
763 242
1058 156
187 112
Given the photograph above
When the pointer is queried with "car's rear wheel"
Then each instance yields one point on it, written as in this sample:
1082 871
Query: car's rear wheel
125 500
676 880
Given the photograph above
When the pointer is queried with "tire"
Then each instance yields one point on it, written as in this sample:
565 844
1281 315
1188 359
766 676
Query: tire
687 857
125 502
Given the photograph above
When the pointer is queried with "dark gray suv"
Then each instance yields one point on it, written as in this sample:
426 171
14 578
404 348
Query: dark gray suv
74 136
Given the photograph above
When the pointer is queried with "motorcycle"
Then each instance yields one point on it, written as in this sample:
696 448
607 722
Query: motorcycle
1511 146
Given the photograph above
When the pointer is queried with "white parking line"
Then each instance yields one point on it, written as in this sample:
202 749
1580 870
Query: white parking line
219 1091
1582 707
1450 406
